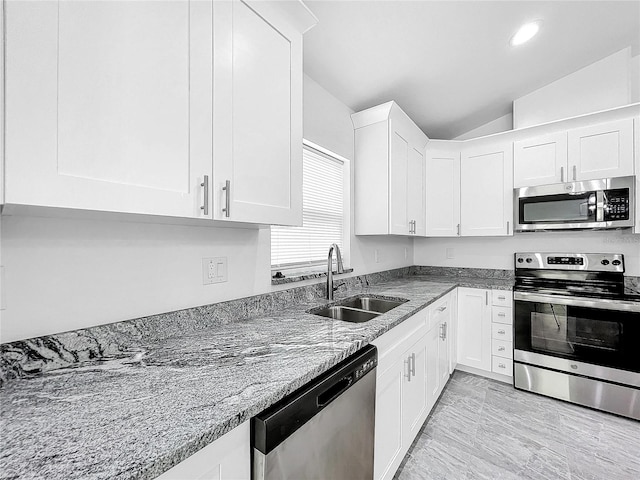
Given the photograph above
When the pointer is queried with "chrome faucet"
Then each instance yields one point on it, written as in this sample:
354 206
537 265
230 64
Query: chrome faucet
330 288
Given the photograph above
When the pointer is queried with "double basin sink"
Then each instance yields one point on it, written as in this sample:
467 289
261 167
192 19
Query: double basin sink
358 309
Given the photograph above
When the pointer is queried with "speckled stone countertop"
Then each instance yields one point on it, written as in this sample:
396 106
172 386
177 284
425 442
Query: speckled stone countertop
136 416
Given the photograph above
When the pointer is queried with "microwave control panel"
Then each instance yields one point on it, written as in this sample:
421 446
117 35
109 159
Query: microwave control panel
616 204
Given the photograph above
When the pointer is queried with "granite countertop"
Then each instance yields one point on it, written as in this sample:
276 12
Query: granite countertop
136 416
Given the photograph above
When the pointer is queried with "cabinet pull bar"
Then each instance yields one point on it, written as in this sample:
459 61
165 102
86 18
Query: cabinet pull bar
508 227
413 364
561 174
408 363
501 332
205 185
486 297
574 173
442 309
458 231
227 201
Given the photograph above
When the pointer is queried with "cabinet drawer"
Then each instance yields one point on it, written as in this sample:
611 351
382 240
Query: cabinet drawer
439 310
501 348
502 365
501 298
501 331
502 315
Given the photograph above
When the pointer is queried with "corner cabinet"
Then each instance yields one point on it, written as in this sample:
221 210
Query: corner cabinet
389 172
115 106
486 190
443 189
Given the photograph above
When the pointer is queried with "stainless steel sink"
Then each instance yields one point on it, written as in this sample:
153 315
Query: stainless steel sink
346 314
372 304
358 309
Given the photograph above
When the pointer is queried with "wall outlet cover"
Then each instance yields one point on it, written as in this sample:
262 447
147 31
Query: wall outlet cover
214 270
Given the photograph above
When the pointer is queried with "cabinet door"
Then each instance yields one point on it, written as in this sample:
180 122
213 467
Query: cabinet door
433 365
108 105
388 449
601 151
540 160
443 193
398 185
452 333
414 394
474 328
227 458
443 355
416 196
486 191
257 114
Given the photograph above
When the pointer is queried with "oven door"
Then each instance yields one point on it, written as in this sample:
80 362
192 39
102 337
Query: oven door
591 337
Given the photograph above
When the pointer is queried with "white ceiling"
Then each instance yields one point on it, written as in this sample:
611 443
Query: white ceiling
448 64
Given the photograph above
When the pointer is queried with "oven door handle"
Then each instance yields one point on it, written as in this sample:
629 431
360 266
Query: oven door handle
601 304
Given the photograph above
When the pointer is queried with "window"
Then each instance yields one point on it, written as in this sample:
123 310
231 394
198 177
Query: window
324 187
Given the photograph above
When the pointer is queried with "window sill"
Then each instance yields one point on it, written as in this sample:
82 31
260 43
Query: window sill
300 276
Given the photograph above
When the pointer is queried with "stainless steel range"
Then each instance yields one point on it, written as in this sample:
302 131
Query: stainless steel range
576 333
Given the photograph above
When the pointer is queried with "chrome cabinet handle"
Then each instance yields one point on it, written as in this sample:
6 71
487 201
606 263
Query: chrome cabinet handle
501 297
227 201
508 227
501 365
445 330
562 174
574 173
413 364
408 364
502 314
486 298
458 231
501 349
205 185
501 332
442 309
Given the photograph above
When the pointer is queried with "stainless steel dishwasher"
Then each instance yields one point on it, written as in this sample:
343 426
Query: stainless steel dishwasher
324 430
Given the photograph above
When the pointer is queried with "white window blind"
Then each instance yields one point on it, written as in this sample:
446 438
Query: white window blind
322 215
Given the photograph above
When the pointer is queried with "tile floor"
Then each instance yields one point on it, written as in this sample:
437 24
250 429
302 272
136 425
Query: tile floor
483 429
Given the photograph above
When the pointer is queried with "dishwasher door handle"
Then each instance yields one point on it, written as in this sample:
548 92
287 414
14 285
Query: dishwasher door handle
332 392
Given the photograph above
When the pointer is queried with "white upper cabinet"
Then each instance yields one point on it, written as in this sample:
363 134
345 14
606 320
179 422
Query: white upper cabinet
389 172
108 105
443 189
601 151
590 152
257 138
113 106
486 190
540 160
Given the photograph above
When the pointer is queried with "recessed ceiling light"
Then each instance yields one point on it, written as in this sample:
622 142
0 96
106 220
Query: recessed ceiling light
525 33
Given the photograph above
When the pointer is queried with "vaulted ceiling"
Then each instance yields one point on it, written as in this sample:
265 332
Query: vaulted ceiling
449 64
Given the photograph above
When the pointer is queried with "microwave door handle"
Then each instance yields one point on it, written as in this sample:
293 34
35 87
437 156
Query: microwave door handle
599 206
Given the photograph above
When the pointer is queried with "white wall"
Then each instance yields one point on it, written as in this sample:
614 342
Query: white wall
64 274
602 85
497 252
501 124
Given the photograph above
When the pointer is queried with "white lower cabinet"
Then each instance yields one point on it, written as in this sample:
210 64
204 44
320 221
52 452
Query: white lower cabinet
474 328
227 458
411 376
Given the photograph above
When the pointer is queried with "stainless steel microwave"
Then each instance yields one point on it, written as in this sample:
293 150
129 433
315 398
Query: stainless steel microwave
592 204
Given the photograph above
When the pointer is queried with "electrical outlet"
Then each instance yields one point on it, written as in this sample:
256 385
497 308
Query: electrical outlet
214 270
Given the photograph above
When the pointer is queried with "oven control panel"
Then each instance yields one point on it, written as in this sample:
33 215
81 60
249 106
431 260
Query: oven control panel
593 262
